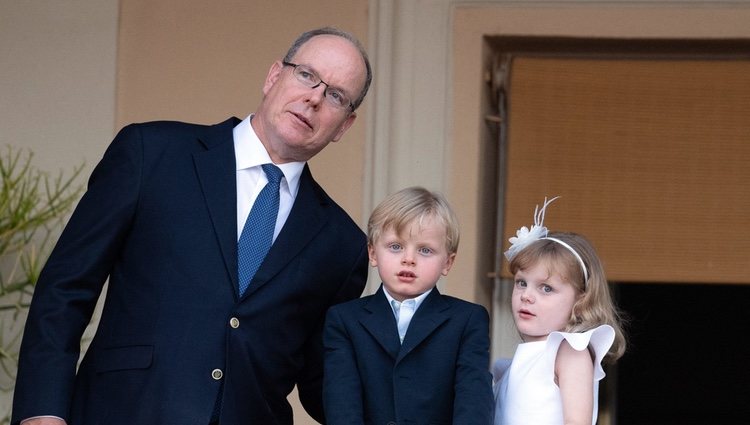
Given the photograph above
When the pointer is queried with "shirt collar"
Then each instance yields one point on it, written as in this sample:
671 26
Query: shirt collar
250 152
417 301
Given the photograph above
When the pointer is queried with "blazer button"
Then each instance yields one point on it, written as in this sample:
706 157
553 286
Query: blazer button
391 423
234 322
217 374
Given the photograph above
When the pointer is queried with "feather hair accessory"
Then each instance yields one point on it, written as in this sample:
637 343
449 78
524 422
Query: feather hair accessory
525 237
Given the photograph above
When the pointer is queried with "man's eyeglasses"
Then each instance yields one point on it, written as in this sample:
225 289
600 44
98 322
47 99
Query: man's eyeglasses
334 96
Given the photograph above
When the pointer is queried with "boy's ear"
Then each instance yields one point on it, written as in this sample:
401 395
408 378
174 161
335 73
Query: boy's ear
448 264
373 257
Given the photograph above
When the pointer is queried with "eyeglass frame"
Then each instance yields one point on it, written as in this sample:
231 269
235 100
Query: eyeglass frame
320 81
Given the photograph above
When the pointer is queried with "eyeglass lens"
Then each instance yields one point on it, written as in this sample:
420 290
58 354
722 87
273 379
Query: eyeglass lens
308 77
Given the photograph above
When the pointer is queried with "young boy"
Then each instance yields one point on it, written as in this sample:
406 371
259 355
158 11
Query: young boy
407 354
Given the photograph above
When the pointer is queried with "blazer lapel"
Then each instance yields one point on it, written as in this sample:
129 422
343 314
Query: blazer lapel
306 219
385 332
216 169
430 315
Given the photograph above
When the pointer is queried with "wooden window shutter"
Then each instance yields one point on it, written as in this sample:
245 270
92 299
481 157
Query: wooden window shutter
651 159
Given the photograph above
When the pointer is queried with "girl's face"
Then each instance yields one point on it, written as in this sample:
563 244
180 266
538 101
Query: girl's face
541 303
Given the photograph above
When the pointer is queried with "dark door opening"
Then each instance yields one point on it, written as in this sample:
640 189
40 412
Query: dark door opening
688 355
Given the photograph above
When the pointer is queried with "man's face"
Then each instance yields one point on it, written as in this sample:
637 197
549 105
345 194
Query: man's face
294 121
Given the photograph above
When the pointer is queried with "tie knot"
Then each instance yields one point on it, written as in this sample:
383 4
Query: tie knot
273 173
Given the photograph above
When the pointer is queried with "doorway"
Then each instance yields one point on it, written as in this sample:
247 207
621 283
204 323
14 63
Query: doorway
644 189
687 359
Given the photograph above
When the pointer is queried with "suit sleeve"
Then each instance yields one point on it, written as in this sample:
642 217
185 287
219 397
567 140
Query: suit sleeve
310 386
72 280
342 387
473 403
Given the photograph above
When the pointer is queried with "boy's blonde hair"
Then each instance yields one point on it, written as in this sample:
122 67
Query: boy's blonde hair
406 206
594 306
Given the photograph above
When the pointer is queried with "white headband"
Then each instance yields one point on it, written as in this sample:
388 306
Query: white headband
525 237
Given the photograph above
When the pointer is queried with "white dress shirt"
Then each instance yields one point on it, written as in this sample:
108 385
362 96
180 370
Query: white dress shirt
250 154
410 306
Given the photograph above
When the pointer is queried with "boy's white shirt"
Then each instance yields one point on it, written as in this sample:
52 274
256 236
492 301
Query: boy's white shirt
396 306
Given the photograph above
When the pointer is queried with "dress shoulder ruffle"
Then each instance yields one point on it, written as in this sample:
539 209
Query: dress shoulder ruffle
600 340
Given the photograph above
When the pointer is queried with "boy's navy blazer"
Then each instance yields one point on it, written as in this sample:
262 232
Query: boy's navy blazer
440 375
159 220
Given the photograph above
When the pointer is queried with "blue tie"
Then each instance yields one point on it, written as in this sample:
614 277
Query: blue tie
257 235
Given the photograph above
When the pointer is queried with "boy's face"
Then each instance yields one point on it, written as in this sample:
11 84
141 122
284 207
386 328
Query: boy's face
411 263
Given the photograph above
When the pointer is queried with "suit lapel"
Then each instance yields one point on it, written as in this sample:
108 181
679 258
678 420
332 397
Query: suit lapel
216 169
429 316
384 331
306 219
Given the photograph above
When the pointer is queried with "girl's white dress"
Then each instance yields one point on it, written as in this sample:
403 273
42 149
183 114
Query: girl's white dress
525 388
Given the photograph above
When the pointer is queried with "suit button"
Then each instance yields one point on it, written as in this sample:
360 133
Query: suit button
234 322
391 423
217 374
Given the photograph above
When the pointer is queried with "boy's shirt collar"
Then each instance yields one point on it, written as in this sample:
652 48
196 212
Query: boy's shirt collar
417 301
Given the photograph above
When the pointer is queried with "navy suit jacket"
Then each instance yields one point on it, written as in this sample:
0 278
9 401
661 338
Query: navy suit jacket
159 220
440 375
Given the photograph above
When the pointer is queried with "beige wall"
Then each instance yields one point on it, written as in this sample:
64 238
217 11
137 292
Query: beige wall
57 79
62 94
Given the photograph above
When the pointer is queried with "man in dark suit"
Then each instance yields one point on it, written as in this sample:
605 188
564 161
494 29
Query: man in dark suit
180 340
408 354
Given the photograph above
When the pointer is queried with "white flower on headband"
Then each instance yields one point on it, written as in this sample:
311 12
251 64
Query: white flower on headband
525 236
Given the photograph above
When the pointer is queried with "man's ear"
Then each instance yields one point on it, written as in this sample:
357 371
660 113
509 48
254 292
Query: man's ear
273 75
344 126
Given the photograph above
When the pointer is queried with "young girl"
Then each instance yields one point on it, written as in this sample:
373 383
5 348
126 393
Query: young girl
568 323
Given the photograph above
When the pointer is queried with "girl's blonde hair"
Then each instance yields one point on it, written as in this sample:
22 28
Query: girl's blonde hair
594 306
